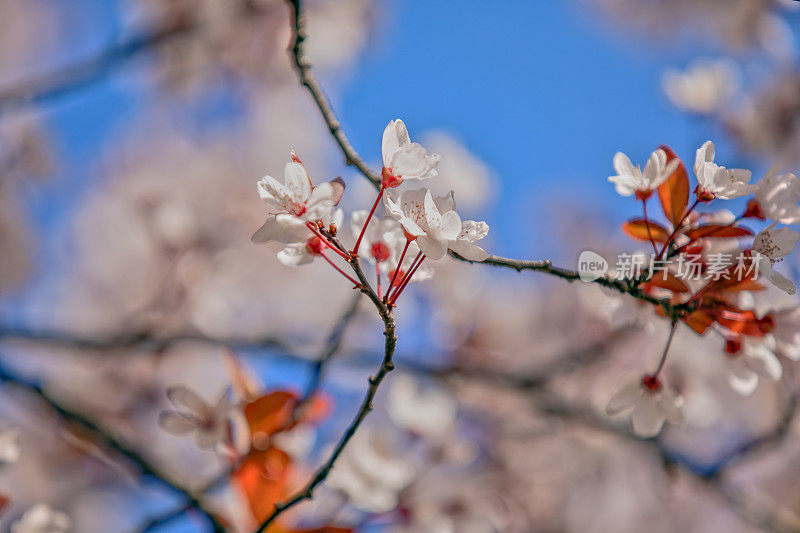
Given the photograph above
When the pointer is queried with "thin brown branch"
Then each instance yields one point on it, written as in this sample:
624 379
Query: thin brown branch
374 382
101 436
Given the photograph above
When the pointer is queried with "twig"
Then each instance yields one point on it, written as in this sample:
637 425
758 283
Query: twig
103 437
374 381
323 104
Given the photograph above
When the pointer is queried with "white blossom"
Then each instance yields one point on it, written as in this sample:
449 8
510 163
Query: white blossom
371 472
383 238
471 231
428 411
703 87
41 518
630 179
778 195
308 246
770 246
786 332
717 181
403 159
751 362
210 424
652 403
294 203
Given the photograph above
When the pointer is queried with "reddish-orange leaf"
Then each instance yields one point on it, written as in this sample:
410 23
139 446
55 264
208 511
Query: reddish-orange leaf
4 501
271 413
674 192
638 229
667 280
698 320
263 477
718 231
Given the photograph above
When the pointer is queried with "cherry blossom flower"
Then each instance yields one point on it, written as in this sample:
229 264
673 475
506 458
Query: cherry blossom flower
428 411
371 472
776 198
703 87
770 246
210 424
294 203
9 446
382 238
747 361
471 231
786 332
403 159
652 403
630 179
309 245
42 519
715 181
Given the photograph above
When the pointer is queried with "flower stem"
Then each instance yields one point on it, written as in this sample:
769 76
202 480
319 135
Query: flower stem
666 350
326 242
677 228
407 279
378 276
396 270
366 223
342 272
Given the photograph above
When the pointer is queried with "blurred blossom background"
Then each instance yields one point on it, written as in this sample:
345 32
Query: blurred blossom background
132 134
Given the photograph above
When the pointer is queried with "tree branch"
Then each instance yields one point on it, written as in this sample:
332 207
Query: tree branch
100 435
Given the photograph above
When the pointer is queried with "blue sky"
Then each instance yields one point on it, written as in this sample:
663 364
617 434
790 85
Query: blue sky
541 91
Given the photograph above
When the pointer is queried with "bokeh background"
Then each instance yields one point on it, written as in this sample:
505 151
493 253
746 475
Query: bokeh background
131 137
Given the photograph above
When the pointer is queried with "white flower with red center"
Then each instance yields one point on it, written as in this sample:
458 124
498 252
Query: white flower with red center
422 222
41 518
403 159
747 361
714 181
770 246
631 179
9 446
382 238
776 198
294 203
309 245
471 231
652 403
210 424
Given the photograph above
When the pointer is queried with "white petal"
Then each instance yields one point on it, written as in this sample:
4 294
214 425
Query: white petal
626 396
285 229
390 144
295 255
648 416
741 378
468 250
297 181
432 247
176 423
763 361
184 397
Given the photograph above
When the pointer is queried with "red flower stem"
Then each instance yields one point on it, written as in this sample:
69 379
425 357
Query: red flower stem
366 223
342 272
395 288
677 227
396 270
406 281
326 242
666 350
647 222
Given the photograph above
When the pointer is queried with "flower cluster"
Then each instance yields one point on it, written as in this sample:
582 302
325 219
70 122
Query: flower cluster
730 264
304 218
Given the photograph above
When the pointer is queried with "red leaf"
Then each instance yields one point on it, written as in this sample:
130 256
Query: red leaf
271 413
674 192
718 231
698 320
667 280
263 477
4 501
638 229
